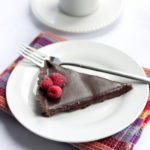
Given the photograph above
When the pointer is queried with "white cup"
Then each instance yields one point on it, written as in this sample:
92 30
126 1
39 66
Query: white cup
78 8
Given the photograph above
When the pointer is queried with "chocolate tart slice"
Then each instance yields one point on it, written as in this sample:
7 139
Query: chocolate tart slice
80 90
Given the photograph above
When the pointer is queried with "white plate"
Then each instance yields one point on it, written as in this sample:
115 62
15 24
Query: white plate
47 12
95 122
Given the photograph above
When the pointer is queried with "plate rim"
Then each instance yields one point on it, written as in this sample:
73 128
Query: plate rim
80 140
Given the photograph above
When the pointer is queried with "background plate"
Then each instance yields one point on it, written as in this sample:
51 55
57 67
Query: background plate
47 12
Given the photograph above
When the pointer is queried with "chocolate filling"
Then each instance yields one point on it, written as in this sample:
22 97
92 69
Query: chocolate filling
80 90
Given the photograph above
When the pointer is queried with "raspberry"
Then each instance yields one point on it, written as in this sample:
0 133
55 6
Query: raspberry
58 79
46 83
54 92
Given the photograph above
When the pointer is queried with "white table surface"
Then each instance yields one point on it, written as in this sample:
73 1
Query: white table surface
131 34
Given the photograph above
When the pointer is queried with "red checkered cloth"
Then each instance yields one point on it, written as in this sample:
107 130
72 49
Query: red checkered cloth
124 140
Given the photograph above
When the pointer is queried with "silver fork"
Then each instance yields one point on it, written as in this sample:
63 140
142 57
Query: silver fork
38 58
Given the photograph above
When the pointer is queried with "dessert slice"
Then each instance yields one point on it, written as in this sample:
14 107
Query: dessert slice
74 90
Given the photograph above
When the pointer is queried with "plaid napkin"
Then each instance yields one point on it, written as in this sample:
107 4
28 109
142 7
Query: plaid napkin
123 140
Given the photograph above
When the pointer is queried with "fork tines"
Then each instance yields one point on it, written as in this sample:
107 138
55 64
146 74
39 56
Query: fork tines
31 54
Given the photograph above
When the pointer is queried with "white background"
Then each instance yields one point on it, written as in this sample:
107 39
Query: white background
131 34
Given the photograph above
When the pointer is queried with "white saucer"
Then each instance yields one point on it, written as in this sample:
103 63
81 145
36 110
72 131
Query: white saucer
49 14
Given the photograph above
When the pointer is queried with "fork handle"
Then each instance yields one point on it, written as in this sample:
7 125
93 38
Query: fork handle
145 80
